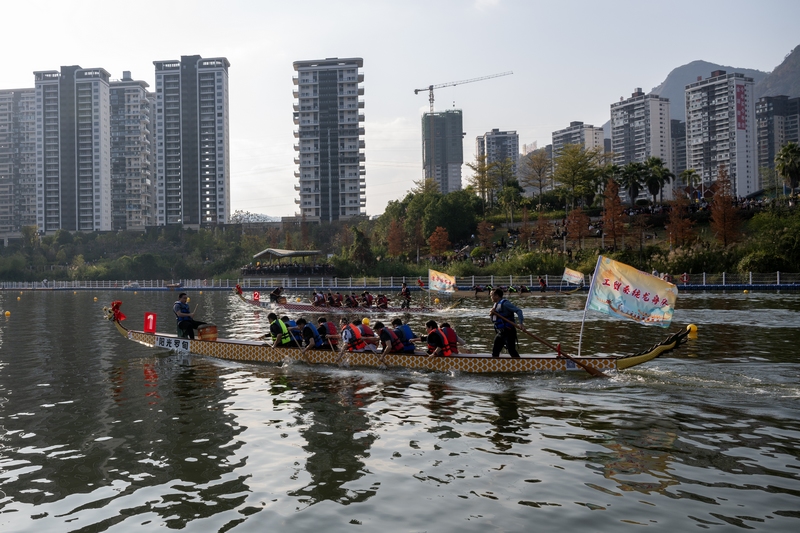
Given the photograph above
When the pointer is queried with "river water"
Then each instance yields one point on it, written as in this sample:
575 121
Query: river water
98 433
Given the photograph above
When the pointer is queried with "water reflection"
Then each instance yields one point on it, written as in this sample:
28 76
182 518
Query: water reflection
338 437
637 461
511 426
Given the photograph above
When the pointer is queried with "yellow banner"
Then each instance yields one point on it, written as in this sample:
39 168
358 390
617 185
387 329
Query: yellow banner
622 291
572 276
439 281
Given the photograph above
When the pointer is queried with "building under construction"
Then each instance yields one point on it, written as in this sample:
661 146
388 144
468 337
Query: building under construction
442 148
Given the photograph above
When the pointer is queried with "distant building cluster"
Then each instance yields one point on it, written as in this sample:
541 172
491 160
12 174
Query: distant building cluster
724 126
82 152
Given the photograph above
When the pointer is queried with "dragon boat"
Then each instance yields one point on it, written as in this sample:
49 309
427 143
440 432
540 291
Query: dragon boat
302 307
262 352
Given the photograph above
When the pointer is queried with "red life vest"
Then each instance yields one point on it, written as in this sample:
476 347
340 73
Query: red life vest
367 331
452 339
446 351
397 344
331 333
356 343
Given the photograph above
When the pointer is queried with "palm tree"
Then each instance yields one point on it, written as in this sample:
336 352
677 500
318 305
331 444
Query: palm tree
631 179
691 177
787 163
656 176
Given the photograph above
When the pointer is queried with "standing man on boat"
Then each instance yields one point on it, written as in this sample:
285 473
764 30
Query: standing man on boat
275 296
405 296
186 322
506 332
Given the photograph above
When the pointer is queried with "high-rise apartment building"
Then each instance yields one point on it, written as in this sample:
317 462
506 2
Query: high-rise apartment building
720 130
640 128
131 154
584 135
73 150
17 160
192 142
329 116
442 148
499 146
678 132
777 123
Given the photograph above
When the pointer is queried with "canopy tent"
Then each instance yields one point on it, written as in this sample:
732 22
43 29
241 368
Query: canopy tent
273 253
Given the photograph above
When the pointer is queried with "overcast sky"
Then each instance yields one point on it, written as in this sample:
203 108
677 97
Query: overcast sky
571 60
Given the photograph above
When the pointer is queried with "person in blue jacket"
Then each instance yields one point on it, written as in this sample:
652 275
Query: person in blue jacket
310 334
186 322
506 329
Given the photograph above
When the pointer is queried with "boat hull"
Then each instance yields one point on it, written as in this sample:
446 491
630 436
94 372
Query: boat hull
257 351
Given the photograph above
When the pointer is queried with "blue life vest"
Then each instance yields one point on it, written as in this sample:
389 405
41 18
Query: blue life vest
182 308
296 335
317 338
405 334
505 313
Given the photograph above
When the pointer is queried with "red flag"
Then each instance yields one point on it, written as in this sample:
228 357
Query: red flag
118 315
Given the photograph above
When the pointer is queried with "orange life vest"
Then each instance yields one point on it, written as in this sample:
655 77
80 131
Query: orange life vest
356 342
446 351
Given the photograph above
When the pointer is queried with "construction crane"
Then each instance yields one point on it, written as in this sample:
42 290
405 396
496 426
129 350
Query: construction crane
430 88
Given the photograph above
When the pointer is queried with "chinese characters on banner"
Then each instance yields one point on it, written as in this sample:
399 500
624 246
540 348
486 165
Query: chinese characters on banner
741 108
437 281
622 291
572 276
171 343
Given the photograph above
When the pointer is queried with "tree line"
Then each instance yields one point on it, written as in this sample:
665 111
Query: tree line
573 211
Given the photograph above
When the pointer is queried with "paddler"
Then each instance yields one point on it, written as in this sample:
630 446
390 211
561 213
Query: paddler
279 332
437 340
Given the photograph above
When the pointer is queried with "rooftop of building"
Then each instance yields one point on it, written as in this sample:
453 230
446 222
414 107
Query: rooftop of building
329 62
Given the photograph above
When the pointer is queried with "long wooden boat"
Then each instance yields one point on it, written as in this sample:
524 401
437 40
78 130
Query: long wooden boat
301 307
259 351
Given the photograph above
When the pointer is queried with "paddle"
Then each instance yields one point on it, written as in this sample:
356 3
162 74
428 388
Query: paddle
593 371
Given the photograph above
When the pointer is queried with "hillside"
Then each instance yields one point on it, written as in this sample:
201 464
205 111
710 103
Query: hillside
674 85
785 79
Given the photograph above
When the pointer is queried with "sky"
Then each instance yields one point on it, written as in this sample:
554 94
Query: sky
570 60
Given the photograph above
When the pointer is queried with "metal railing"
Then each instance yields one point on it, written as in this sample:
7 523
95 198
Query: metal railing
703 280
